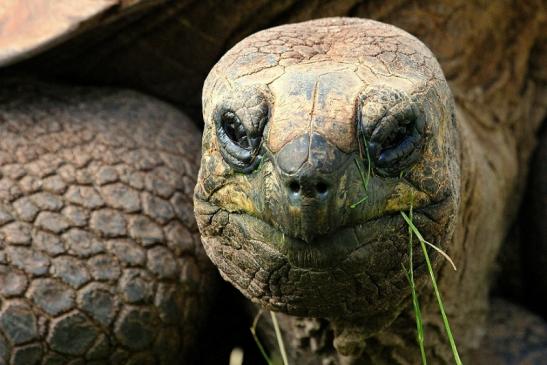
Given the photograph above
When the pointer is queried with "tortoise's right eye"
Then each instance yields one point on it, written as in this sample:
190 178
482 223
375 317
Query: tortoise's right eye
239 143
239 121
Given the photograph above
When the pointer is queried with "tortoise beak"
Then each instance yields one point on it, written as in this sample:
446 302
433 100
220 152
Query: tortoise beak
309 168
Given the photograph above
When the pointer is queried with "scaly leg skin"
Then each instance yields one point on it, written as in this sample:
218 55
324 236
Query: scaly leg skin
100 258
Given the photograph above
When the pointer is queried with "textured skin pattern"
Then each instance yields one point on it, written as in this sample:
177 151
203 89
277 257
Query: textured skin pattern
377 53
318 256
100 259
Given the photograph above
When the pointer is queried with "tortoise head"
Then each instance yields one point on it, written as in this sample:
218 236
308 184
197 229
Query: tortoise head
317 135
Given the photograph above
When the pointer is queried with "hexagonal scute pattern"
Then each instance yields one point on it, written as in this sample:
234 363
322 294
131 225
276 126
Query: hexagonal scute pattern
96 229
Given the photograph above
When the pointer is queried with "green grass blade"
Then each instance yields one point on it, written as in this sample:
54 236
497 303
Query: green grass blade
365 179
279 339
369 162
257 341
418 314
362 200
415 301
421 239
436 290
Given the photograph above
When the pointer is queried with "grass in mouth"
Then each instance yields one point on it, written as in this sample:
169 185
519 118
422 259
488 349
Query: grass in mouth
413 230
415 302
410 275
277 335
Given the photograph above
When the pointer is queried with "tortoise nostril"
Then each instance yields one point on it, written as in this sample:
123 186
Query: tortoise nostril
307 189
321 188
294 186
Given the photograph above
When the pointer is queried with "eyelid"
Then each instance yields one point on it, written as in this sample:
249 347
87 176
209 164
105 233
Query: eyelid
384 128
404 149
241 159
251 104
394 132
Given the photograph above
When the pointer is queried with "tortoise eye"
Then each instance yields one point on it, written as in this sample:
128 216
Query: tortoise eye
239 143
235 130
396 138
239 122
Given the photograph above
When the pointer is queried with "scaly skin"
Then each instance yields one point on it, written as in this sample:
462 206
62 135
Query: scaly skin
321 79
100 259
304 90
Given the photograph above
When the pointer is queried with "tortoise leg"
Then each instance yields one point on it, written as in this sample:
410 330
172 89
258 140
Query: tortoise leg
100 258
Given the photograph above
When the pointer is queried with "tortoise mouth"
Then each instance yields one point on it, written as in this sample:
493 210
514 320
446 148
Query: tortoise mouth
356 269
361 241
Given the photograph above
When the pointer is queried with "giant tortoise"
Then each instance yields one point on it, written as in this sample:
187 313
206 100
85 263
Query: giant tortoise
316 136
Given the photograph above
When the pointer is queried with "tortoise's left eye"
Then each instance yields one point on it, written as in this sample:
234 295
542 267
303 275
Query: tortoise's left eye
395 140
235 130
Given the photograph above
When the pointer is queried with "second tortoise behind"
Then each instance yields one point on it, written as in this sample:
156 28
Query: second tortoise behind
100 258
